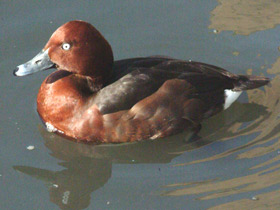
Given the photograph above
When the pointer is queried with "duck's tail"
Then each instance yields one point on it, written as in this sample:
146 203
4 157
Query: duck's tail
247 82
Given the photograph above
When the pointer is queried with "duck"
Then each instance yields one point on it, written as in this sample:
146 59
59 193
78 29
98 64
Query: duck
91 98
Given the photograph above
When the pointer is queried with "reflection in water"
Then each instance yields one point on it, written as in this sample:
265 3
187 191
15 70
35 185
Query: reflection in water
245 17
216 189
72 186
265 201
267 142
87 167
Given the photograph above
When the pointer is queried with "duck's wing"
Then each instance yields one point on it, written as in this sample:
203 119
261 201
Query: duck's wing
125 66
239 82
166 111
141 77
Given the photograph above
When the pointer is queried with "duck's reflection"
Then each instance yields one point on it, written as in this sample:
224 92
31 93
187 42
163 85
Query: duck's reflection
89 167
71 187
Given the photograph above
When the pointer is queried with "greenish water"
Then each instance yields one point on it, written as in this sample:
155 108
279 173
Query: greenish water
234 166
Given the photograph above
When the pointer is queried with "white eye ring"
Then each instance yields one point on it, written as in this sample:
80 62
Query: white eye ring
66 46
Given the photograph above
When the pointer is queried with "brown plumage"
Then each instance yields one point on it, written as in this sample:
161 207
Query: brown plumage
92 99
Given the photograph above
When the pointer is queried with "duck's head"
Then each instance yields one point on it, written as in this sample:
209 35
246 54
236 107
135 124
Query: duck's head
76 47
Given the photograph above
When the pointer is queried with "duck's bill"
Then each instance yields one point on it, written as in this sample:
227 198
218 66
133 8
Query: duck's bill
40 62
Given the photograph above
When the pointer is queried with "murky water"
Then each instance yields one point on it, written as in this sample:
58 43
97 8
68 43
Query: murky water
235 164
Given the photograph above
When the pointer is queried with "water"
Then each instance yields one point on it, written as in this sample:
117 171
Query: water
235 164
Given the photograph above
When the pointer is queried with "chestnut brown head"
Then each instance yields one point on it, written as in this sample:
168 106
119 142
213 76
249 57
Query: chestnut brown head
76 47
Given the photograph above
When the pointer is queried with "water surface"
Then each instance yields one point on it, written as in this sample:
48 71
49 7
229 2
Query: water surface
235 164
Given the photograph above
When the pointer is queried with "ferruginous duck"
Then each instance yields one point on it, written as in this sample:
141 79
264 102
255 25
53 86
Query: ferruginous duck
92 98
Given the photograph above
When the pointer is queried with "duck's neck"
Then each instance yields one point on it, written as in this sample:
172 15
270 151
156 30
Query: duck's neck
63 96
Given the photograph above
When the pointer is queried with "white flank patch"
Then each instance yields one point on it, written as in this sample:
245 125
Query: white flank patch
230 97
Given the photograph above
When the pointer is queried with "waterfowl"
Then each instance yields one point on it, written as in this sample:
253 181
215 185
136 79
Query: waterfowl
92 98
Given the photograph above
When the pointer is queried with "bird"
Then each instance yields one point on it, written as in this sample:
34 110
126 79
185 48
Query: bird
91 98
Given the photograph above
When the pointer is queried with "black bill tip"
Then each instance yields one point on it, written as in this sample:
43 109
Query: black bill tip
15 72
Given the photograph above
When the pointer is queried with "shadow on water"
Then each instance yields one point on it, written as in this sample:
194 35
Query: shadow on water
89 167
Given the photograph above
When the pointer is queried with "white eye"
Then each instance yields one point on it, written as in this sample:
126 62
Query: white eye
66 46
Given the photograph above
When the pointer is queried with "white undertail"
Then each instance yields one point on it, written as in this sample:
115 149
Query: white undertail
230 97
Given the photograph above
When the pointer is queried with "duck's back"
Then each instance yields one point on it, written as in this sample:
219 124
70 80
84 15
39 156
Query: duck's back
137 78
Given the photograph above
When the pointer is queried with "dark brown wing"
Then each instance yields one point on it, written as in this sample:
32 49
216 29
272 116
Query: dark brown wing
137 78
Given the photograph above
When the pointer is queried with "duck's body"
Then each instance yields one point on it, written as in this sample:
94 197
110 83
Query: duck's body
93 99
